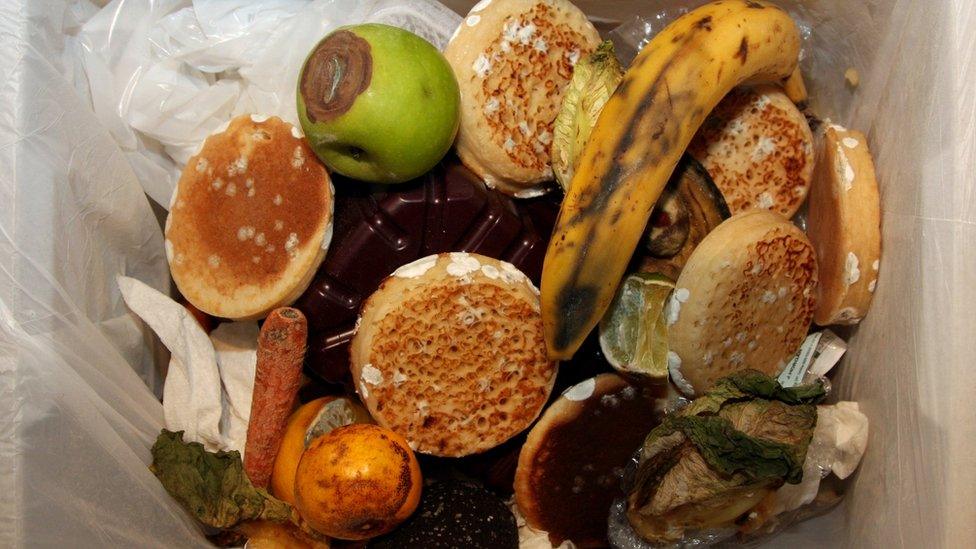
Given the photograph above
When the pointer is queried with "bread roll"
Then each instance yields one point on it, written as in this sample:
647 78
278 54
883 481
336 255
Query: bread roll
844 224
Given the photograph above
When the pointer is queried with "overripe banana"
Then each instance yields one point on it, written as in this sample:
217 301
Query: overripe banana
665 95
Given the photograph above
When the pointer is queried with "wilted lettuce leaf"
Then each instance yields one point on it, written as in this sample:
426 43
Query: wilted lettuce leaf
730 450
709 463
749 384
594 80
211 485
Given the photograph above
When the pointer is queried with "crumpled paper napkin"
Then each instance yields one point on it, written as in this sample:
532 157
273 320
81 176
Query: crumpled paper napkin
207 393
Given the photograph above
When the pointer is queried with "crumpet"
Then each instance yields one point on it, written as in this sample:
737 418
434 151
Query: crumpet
251 219
758 148
745 299
449 353
513 60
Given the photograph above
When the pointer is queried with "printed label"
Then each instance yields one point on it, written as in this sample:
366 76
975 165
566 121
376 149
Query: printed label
817 355
797 367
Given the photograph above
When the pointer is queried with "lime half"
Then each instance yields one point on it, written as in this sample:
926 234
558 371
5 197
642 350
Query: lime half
336 413
634 331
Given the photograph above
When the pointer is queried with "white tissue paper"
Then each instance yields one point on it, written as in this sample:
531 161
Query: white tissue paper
163 75
208 388
236 346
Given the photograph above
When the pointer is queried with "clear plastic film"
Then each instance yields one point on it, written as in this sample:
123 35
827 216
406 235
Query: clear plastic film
78 375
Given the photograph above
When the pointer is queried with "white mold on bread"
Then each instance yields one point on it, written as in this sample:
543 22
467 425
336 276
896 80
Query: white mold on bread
844 224
513 60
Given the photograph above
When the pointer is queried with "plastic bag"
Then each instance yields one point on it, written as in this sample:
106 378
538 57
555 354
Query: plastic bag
78 410
79 406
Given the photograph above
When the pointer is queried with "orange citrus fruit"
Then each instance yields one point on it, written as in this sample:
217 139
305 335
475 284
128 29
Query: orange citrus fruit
357 482
311 420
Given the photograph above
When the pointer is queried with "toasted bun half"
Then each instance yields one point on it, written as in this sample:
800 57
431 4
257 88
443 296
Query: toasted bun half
251 219
745 299
449 353
570 467
758 148
844 224
513 60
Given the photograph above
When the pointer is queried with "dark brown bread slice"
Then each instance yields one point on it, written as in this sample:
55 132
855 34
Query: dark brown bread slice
570 468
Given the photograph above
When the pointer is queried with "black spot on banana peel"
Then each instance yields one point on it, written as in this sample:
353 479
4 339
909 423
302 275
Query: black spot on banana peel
638 139
574 298
743 52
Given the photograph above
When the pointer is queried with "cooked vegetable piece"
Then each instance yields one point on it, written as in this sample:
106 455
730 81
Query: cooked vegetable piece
688 209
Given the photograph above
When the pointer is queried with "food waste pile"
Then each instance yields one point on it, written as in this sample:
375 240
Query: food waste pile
517 293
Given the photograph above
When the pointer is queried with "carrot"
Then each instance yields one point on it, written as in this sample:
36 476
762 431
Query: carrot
281 350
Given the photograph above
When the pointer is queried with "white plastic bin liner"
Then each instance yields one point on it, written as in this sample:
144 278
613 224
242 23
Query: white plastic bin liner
78 385
78 404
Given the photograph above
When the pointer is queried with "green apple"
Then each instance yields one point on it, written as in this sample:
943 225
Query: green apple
378 103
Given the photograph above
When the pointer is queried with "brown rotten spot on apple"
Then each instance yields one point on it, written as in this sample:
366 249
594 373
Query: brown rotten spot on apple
336 72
